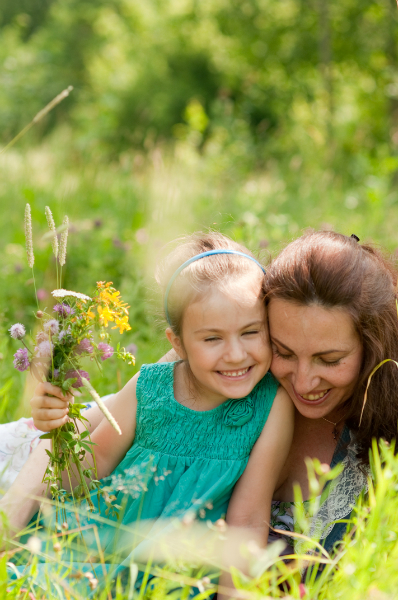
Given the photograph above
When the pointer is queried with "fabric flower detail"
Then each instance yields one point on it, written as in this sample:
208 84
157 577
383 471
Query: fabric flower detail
21 360
238 412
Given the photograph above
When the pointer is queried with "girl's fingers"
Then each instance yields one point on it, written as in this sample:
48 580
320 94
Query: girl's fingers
50 415
38 402
50 425
45 388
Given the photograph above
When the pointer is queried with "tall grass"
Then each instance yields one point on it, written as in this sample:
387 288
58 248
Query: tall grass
122 212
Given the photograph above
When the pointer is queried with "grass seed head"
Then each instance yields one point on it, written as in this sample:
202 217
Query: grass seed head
29 237
51 224
63 241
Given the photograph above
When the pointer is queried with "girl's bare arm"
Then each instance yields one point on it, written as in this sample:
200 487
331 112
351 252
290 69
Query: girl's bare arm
22 500
249 509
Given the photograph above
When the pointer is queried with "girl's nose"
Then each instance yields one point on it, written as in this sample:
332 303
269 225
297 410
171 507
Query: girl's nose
304 379
235 352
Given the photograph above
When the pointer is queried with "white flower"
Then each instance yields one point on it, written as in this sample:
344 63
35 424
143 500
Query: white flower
65 293
34 544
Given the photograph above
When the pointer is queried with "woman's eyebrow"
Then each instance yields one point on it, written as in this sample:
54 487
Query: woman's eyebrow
273 339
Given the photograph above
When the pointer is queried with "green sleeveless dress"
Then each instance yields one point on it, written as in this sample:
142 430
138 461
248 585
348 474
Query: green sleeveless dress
183 464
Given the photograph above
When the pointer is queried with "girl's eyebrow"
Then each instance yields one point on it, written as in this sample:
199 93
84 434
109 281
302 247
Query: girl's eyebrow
218 330
273 339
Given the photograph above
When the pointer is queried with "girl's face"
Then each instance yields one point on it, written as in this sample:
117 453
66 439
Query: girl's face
317 356
225 341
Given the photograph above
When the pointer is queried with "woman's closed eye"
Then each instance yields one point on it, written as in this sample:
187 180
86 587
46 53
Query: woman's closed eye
324 361
280 355
251 332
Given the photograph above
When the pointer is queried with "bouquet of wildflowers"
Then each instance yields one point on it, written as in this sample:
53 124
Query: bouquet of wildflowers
55 354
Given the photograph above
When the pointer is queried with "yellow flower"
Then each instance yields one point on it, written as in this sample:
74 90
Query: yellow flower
122 323
105 315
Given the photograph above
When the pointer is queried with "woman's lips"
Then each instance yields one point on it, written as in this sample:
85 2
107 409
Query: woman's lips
317 400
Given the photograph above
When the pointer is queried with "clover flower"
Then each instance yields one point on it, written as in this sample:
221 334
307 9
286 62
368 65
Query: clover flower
17 331
44 349
84 346
21 360
64 310
51 326
106 350
74 374
41 337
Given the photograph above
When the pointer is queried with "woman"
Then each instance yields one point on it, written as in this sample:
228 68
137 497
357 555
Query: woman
332 318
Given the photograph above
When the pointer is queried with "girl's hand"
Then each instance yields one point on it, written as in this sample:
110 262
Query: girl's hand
50 407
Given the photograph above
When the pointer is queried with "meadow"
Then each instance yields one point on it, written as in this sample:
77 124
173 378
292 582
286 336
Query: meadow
122 214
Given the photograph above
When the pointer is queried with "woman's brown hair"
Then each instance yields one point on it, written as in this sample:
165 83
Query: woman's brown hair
335 271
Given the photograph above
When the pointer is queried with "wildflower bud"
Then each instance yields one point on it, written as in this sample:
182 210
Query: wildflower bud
57 547
221 525
65 526
39 314
324 468
93 583
89 575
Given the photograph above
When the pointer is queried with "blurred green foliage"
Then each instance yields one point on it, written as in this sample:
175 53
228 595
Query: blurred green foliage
270 76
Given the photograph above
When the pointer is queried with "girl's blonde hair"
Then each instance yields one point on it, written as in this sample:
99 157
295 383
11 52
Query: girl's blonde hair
195 279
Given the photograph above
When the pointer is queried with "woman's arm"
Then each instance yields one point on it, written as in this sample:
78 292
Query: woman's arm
22 500
250 506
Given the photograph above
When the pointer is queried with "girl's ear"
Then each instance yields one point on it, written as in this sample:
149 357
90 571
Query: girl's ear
176 342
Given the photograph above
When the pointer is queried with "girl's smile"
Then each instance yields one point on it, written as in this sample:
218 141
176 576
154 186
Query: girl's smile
225 342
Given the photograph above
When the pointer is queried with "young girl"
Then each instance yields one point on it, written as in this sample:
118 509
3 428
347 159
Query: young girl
211 429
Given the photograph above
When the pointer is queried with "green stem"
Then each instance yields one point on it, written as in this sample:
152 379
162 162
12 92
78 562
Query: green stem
34 285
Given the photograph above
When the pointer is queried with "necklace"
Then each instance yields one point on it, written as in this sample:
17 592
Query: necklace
335 433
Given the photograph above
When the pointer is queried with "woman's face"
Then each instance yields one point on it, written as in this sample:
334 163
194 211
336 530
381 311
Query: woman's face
317 356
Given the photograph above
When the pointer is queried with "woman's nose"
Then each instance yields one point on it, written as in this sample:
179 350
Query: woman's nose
305 379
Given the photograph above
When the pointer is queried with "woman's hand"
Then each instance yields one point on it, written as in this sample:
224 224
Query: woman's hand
50 407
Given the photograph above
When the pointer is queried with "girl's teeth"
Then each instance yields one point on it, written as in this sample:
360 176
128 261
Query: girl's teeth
314 396
234 373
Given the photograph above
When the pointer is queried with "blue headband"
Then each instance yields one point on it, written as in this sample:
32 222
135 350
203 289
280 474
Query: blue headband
193 259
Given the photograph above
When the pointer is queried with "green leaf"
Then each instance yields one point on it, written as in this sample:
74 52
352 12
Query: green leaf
46 436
